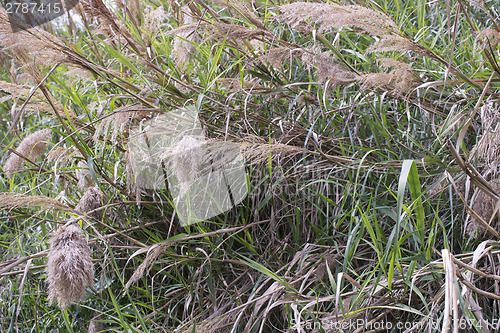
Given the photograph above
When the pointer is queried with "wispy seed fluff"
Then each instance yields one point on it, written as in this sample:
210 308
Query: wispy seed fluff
69 268
31 147
92 199
84 176
187 157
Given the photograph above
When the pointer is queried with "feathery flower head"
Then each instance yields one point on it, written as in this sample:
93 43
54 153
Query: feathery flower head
31 147
69 268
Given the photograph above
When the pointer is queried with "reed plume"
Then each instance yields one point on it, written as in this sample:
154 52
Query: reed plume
154 20
32 147
484 206
118 121
236 85
12 201
487 38
24 42
62 155
85 179
92 199
276 56
395 43
326 68
490 123
69 268
110 24
95 327
398 76
334 16
489 156
241 9
183 46
187 157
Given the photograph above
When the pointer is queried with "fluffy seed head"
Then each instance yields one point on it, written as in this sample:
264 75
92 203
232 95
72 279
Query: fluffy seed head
31 147
333 16
187 157
91 199
486 151
183 47
484 206
84 176
69 268
398 76
487 38
95 327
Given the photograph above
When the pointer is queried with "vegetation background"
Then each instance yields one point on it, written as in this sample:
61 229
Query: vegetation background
370 131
